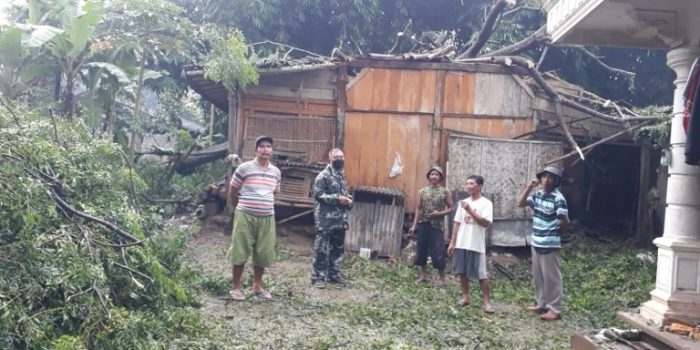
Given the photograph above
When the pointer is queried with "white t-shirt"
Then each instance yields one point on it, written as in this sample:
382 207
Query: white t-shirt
472 236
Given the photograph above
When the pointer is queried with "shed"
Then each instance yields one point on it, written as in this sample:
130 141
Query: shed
383 110
376 220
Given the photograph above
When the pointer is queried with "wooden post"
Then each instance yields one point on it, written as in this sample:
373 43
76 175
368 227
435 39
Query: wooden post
240 121
211 124
341 101
436 135
232 136
644 230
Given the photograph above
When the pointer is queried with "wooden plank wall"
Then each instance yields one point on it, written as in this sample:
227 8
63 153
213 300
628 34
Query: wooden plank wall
371 143
412 112
298 110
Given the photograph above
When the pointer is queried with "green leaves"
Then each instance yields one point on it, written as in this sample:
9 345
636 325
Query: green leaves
62 286
227 62
112 69
38 35
83 27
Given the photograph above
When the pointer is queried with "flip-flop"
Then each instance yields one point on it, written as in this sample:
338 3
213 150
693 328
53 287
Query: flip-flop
489 309
236 295
263 294
464 302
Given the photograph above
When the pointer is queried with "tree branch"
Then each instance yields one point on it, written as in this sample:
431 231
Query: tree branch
586 148
487 28
400 35
12 112
133 271
542 57
521 8
109 225
596 59
551 93
287 46
539 37
593 112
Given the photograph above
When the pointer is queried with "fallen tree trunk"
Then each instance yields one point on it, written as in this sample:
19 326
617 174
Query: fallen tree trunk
187 164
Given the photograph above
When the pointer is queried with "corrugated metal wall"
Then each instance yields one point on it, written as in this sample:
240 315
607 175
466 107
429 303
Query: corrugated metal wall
412 112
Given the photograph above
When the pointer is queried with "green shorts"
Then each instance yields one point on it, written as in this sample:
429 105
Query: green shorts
252 235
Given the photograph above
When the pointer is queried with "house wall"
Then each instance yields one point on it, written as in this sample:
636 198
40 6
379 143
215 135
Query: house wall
412 112
298 110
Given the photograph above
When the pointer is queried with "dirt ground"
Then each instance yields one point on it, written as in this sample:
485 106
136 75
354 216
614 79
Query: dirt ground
379 308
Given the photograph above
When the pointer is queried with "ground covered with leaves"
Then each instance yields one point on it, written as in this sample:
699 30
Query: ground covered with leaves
382 308
138 280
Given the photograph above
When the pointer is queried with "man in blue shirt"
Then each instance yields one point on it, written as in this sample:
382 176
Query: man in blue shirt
550 213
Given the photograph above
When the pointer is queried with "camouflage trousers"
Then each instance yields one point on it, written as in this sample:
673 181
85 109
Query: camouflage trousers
328 253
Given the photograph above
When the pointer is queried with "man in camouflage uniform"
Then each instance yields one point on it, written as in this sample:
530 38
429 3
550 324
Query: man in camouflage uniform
331 216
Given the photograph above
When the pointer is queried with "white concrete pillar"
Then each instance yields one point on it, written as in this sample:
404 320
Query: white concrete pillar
677 292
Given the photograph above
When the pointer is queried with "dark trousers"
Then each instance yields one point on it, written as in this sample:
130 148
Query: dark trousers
328 253
430 241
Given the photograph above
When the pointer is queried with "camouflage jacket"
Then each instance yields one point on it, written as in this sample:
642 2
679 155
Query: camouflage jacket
329 214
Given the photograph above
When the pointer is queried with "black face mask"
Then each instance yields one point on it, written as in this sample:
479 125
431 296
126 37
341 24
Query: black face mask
338 164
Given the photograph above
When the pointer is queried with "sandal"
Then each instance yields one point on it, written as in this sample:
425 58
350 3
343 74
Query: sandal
236 295
464 302
263 294
489 309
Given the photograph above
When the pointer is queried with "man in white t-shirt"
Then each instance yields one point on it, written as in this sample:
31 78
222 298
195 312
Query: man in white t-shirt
468 243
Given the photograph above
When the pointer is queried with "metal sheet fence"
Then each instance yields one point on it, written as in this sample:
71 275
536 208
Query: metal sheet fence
375 226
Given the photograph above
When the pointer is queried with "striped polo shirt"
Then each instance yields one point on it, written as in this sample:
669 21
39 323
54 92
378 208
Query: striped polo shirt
256 187
548 209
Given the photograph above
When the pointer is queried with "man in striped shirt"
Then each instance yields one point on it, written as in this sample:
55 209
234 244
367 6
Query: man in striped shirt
550 214
252 189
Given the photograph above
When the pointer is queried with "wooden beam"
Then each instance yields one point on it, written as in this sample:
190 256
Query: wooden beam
341 101
480 67
644 231
295 216
436 135
232 139
609 138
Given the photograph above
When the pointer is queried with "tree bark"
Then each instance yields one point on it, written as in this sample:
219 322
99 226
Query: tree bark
487 29
537 38
135 129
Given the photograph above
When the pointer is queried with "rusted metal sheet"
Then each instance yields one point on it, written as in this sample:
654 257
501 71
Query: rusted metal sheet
506 165
376 221
386 191
310 136
501 95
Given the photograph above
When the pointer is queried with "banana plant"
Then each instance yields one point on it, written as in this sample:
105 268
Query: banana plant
63 30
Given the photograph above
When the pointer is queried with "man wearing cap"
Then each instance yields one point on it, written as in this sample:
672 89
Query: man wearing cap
434 202
252 189
331 217
550 214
